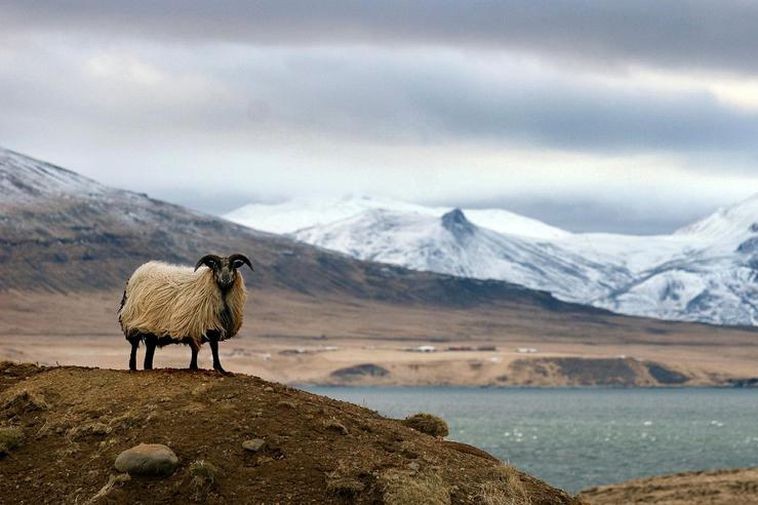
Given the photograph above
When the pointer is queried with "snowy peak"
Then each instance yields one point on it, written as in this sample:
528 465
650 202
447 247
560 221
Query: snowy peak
301 213
24 180
728 223
305 212
456 223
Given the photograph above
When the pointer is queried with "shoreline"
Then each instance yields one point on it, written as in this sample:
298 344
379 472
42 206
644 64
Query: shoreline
354 363
716 486
474 387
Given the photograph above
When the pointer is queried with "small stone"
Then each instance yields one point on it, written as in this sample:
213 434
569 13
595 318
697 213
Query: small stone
414 466
253 445
268 389
147 459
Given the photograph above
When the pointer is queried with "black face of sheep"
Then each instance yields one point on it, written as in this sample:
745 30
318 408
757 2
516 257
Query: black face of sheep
224 268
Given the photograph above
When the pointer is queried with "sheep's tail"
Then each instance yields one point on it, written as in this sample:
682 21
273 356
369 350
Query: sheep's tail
120 308
123 301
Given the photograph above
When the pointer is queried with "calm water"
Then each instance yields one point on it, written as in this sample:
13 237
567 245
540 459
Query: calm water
576 438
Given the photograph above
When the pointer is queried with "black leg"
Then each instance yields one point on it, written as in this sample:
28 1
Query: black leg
150 343
134 340
193 362
216 362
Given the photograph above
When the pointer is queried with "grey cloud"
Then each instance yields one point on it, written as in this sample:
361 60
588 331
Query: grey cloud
376 97
687 33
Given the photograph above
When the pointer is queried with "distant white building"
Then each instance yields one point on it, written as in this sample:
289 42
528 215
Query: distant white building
423 348
526 350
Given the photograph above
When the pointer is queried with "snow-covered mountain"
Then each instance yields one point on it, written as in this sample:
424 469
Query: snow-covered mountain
296 214
25 180
61 232
704 272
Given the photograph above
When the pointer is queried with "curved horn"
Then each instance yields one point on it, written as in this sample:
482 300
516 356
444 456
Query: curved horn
242 258
209 260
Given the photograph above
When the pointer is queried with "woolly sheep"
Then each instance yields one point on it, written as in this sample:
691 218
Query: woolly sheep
170 304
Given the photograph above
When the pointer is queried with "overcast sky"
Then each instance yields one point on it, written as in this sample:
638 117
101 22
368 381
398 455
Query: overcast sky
592 115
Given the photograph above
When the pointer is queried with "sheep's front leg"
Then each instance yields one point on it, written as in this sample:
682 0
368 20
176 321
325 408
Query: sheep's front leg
150 343
213 341
195 348
134 340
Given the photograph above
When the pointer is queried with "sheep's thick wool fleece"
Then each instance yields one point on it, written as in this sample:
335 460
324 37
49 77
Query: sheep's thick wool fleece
175 301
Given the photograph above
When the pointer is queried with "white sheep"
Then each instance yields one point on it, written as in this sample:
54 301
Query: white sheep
170 304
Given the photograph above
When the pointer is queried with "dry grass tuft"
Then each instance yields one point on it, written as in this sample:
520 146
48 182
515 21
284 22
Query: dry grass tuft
203 472
10 438
336 426
113 481
25 401
427 423
204 478
505 489
344 483
89 430
405 488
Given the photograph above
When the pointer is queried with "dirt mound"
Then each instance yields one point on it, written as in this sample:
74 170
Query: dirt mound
76 421
718 487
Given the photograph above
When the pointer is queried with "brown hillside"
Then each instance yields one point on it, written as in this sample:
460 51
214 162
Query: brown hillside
73 423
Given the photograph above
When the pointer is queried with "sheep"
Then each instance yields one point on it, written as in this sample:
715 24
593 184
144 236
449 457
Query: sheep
169 304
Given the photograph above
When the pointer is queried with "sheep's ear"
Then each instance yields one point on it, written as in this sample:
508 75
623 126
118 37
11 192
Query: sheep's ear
210 260
237 260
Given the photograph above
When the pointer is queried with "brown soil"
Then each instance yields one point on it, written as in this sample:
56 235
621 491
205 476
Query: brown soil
718 487
75 421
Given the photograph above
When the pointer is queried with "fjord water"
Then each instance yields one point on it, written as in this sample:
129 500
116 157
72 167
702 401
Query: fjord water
577 438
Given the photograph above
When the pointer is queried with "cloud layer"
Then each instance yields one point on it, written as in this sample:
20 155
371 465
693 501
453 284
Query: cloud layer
578 112
686 33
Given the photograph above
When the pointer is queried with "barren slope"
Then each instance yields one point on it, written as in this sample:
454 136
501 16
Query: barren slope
75 422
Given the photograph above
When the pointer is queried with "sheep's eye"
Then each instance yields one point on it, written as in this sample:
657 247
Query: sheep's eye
237 263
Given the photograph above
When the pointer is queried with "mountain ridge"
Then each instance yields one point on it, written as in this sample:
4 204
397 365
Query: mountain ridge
60 232
680 276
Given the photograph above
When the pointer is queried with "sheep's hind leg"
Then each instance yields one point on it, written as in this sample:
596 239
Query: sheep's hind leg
150 342
134 340
195 348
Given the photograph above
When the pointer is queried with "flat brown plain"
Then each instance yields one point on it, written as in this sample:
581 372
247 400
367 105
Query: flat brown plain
304 339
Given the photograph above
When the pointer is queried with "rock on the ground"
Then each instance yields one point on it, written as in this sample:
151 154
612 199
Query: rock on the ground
253 445
147 459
